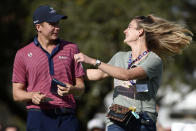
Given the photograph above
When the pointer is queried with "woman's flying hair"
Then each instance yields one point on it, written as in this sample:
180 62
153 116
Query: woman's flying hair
164 37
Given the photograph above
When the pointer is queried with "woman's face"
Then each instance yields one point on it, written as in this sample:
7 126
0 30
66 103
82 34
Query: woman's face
131 32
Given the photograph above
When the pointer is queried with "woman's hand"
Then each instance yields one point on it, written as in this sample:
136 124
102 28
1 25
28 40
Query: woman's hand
80 57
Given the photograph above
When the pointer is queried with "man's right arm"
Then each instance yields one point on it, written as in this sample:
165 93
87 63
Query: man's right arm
20 94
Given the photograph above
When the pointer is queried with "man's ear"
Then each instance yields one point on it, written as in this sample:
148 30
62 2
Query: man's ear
37 26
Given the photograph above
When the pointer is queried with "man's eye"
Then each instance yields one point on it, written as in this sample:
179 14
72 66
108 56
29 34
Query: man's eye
53 24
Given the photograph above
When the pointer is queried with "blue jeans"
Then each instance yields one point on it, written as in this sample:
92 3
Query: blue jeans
115 127
40 121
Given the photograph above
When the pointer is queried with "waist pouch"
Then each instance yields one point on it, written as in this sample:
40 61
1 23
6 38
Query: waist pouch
123 116
120 114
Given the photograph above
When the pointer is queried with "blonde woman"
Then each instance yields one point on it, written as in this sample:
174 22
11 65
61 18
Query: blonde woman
137 73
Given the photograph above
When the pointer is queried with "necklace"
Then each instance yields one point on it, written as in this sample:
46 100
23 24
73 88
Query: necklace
131 62
138 58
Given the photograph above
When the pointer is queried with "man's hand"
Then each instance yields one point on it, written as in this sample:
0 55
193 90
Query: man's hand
62 91
37 97
20 94
76 90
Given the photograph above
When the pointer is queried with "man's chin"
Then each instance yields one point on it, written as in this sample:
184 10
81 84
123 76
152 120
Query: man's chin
54 38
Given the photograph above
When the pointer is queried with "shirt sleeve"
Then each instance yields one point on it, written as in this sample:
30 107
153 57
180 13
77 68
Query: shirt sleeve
79 70
152 66
19 69
113 59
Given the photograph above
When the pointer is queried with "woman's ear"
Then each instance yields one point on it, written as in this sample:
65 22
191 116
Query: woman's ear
141 32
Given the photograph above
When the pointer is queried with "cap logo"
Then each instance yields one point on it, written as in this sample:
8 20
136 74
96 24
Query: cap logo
52 10
36 21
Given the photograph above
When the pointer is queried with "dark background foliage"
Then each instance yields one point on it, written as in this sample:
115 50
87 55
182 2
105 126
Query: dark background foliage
97 27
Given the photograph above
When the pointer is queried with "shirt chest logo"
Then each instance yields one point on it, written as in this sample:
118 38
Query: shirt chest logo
29 54
62 57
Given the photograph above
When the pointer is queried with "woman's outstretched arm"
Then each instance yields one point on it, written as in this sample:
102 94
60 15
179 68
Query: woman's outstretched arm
116 72
95 74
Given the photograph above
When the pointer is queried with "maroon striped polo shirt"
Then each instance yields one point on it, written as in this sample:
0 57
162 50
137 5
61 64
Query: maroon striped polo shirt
35 68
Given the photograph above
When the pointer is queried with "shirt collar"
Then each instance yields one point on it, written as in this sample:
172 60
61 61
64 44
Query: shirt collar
36 42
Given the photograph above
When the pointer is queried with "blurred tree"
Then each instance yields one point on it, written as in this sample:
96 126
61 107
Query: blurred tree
12 24
97 27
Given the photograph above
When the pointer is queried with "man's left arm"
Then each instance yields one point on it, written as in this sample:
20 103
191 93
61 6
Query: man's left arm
79 88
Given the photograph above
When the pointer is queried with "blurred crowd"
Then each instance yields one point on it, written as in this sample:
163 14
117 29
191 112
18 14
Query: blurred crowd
176 110
8 127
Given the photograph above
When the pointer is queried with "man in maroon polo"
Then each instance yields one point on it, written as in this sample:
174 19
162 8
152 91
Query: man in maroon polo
51 107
